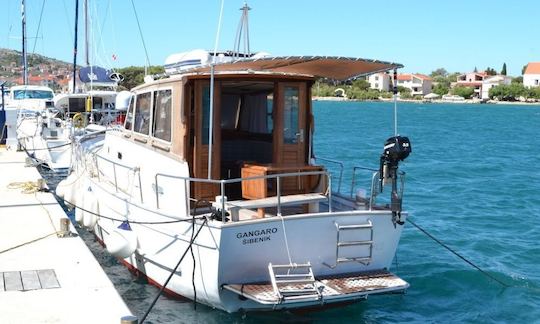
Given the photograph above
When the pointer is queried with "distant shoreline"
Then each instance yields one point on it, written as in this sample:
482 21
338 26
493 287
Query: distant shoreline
438 101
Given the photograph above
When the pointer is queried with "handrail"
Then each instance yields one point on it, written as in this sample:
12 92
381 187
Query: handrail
341 167
374 183
353 182
114 164
223 182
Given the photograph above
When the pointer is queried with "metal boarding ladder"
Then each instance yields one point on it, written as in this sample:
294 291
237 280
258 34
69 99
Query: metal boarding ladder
366 259
293 282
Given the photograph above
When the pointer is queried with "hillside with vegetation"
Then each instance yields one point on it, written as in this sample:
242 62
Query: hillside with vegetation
39 66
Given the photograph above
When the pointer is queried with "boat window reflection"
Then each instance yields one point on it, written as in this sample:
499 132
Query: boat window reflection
290 115
142 113
32 94
129 116
162 115
205 113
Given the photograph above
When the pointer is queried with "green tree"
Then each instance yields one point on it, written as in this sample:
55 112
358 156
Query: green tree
509 92
453 76
503 71
524 68
361 84
404 93
465 92
440 72
134 75
518 79
475 70
441 89
490 71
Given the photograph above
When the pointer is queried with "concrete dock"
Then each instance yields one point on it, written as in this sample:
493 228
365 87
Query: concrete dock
45 278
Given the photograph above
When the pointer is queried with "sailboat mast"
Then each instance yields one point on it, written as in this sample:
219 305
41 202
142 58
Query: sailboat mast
24 58
86 31
75 45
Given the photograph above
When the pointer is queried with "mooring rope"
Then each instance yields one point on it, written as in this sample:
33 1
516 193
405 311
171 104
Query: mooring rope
27 243
31 187
458 255
173 271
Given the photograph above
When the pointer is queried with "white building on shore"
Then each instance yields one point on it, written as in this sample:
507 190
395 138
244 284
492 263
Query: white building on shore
419 84
491 81
380 81
531 77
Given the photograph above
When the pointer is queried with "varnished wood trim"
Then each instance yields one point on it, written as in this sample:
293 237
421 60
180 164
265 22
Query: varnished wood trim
161 146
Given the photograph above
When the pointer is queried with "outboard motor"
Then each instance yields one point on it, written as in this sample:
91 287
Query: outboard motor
396 148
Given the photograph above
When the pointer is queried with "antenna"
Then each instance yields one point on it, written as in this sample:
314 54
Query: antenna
243 24
395 103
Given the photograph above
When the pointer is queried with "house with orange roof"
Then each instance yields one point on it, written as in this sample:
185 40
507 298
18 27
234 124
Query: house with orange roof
419 84
531 77
473 80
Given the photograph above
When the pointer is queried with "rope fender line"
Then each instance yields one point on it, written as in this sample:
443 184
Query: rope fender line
174 270
454 252
121 220
41 149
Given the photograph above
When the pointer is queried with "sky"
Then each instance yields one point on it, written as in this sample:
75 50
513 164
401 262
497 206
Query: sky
423 35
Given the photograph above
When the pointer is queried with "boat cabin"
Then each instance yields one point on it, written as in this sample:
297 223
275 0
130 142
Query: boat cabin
260 125
254 122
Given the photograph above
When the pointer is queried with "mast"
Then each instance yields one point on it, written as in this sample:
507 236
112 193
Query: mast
243 25
75 45
86 31
24 58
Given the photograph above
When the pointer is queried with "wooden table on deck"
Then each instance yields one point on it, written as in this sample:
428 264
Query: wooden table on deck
263 188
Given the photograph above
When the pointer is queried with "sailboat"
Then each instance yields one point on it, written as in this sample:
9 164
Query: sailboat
46 131
38 128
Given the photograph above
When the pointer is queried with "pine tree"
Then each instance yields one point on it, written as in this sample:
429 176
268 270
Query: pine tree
475 70
503 71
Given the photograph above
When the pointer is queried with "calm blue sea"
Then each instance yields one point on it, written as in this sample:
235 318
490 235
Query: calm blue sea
473 181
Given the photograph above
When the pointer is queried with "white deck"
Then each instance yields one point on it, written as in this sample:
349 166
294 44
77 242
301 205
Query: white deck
31 250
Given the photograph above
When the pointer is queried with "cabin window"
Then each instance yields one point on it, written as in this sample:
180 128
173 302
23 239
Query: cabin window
142 113
129 116
162 115
97 103
205 113
256 115
77 105
290 115
247 107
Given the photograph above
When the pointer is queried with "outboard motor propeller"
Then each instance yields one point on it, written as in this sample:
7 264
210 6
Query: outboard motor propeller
396 148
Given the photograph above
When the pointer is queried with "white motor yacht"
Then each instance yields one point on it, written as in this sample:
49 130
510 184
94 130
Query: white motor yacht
40 130
211 191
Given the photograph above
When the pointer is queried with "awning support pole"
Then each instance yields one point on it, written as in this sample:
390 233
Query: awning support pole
211 121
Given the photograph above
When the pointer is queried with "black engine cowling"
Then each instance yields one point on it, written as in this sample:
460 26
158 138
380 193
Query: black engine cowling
397 148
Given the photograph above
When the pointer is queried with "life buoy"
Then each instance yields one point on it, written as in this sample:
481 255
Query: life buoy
122 241
78 120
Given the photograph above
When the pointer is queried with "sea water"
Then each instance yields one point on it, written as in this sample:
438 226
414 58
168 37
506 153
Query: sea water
473 181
